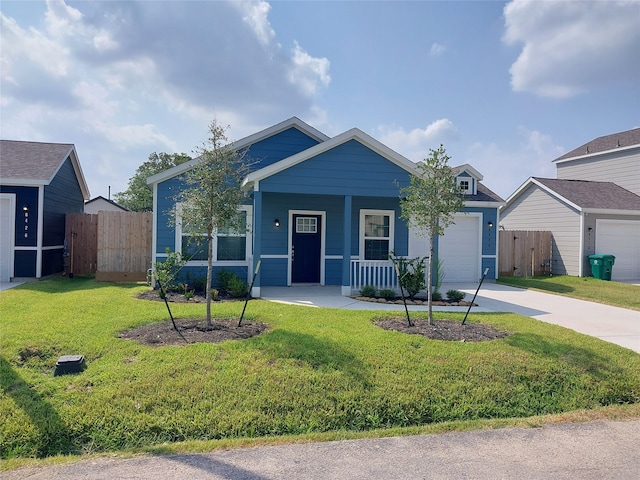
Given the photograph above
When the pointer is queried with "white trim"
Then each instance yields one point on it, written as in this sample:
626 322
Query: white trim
53 247
323 232
469 169
225 263
353 134
478 204
470 183
154 221
333 257
12 233
40 236
604 211
596 154
533 181
361 239
243 143
26 248
581 247
274 256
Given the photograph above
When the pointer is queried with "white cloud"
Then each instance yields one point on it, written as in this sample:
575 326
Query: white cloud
415 144
571 47
307 72
124 79
437 49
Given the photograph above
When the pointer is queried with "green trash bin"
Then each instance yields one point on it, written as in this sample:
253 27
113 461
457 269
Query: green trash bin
602 266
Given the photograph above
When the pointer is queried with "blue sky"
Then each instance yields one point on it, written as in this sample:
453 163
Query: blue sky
504 86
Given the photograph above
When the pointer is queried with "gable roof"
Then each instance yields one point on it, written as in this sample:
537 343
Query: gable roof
469 169
100 198
37 163
293 122
607 143
352 134
586 196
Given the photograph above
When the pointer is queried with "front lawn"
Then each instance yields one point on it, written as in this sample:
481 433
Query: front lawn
585 288
314 370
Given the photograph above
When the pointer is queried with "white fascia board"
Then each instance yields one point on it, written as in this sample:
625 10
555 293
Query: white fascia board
24 182
469 169
532 181
77 168
280 127
471 203
353 134
171 172
243 143
604 211
596 154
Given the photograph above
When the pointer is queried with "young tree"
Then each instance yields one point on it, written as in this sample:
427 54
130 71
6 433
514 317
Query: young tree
138 196
429 203
213 195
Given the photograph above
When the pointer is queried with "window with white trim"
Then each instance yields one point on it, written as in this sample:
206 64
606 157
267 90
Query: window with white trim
464 185
229 245
376 234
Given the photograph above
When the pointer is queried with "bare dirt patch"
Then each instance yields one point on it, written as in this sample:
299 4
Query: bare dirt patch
193 330
448 330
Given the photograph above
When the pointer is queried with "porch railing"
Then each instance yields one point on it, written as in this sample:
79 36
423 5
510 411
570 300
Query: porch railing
379 273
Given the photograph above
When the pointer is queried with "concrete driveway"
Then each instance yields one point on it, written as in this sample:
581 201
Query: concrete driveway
612 324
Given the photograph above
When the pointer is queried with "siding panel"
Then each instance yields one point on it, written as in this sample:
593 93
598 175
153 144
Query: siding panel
535 209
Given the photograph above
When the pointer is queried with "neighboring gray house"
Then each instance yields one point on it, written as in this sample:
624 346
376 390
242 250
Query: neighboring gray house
100 204
592 207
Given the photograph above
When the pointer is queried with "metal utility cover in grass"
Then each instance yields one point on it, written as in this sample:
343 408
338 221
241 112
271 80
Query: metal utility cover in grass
67 364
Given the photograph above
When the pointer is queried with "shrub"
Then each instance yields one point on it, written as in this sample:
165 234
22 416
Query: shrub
387 294
411 273
223 279
237 287
167 271
436 296
368 291
455 295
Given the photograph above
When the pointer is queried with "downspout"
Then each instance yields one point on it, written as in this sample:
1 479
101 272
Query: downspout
154 222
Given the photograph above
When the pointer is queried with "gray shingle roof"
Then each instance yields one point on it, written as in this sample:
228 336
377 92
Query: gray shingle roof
484 195
31 160
602 144
593 195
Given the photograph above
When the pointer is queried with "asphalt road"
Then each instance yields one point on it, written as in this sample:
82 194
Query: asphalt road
595 450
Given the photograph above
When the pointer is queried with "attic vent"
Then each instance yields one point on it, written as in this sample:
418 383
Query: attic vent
618 143
587 149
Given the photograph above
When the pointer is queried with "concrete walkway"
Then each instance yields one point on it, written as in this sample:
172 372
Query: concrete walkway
612 324
586 451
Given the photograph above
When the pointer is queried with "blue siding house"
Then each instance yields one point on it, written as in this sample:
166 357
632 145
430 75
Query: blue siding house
326 211
40 183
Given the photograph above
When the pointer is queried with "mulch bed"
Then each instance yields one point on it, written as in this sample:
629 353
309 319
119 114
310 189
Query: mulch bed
443 329
193 330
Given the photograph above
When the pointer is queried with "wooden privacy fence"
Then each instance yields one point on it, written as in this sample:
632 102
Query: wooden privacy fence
115 246
524 254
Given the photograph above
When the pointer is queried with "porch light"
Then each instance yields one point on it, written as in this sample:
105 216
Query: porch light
490 224
276 223
25 208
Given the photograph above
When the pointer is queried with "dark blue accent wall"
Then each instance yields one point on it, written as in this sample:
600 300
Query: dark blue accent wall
25 197
279 147
25 263
63 195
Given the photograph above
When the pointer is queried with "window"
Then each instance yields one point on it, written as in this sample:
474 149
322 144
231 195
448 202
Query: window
376 234
464 185
229 245
306 225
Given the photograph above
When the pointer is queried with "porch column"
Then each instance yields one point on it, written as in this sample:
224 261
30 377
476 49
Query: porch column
257 241
346 247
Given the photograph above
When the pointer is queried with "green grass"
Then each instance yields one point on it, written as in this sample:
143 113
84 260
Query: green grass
316 372
585 288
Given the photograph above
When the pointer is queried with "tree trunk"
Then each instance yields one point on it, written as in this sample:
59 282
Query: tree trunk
209 276
430 281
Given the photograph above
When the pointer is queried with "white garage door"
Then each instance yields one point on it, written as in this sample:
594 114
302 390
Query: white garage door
621 239
459 250
6 237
